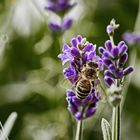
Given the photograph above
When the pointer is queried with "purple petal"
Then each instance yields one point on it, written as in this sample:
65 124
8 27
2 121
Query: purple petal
67 24
123 49
123 60
119 74
79 38
112 68
106 54
64 58
55 27
108 73
101 50
107 62
76 101
109 29
78 116
108 45
89 47
91 56
66 48
120 44
69 72
72 108
90 111
115 51
128 70
70 92
75 52
86 100
74 42
109 81
84 58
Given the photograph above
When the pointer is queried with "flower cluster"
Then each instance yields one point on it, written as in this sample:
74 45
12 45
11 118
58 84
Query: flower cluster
82 109
132 38
60 7
114 58
81 52
66 24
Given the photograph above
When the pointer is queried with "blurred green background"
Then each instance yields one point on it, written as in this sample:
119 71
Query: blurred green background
31 79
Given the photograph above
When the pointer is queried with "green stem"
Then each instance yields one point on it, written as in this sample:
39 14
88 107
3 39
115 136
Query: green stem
116 123
112 40
79 130
119 122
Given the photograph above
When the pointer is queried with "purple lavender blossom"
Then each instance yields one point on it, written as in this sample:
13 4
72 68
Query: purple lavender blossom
115 58
66 24
81 52
75 105
59 6
132 38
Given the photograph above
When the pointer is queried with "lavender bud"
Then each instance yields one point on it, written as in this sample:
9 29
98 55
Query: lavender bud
90 111
109 29
112 68
106 54
75 52
76 101
128 70
67 24
108 73
101 50
78 116
108 80
115 51
118 73
72 108
54 27
108 45
79 38
107 62
74 42
70 92
123 60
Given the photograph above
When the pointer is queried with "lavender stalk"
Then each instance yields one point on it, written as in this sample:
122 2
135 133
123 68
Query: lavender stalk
81 72
115 57
79 130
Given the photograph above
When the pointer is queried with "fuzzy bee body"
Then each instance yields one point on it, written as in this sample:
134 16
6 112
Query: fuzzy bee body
87 80
83 88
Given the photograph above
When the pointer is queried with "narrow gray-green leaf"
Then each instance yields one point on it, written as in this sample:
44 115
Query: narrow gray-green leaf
6 129
106 129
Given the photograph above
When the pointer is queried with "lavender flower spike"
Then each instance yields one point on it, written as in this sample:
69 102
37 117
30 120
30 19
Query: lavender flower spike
77 55
132 38
59 6
114 58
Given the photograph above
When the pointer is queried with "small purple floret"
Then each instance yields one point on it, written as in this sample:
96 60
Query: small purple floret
114 58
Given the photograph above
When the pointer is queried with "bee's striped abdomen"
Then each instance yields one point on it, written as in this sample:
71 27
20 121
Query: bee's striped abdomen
83 88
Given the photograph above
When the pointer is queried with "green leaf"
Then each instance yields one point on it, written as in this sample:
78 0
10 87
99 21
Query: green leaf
6 129
106 129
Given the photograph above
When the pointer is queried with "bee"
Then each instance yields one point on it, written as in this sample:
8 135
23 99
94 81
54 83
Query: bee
88 79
